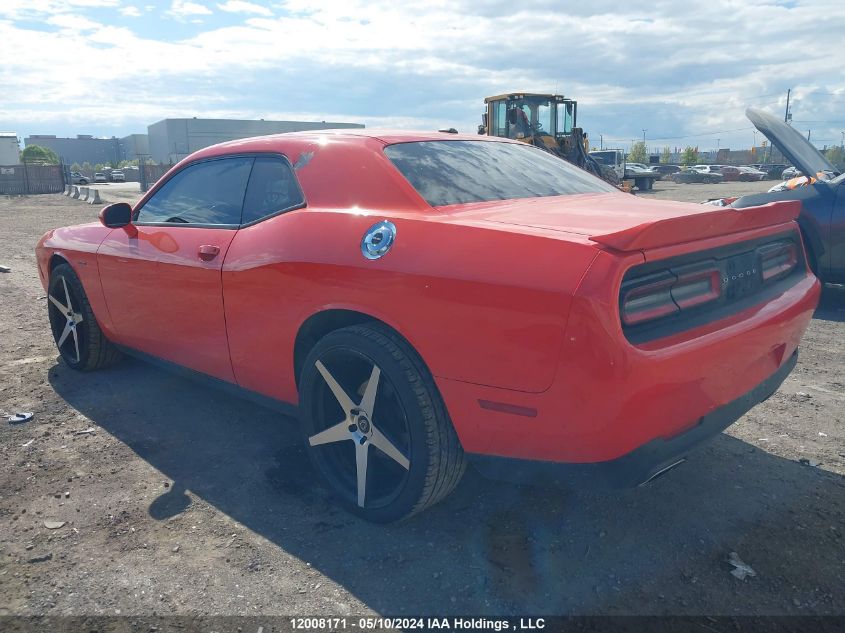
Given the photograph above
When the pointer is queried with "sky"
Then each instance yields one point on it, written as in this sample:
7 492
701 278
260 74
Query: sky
677 72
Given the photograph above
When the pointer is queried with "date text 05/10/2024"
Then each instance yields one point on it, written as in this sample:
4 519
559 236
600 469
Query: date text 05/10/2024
423 623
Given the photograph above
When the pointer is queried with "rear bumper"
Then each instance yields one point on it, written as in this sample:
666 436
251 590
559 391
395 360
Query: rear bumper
642 463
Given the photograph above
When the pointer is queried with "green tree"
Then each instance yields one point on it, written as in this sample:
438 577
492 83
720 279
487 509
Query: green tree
86 167
638 153
665 155
689 156
836 156
38 154
76 167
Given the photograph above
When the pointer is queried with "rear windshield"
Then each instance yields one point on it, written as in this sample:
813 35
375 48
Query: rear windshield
454 172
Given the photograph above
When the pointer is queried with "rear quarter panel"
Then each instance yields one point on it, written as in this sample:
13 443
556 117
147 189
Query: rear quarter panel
480 304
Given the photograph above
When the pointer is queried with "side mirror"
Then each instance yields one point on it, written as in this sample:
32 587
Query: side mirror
512 116
116 215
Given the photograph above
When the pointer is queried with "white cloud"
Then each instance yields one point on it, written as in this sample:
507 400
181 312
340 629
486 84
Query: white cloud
648 65
185 8
239 6
131 11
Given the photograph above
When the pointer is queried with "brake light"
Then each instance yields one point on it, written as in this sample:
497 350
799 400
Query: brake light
649 301
693 289
778 260
670 292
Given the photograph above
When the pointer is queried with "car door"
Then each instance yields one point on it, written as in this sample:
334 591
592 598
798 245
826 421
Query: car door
162 275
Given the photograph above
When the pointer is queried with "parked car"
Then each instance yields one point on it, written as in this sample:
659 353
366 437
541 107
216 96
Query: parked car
666 170
729 172
821 194
696 175
78 179
750 174
423 301
773 170
117 176
100 177
790 172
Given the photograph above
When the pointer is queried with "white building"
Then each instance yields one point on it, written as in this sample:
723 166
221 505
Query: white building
9 149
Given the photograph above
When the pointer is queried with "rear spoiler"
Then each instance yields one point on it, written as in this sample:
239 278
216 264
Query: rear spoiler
697 226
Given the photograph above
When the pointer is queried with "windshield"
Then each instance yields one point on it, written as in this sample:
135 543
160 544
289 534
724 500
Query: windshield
454 172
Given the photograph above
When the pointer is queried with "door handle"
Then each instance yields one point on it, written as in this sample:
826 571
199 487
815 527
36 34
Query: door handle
207 252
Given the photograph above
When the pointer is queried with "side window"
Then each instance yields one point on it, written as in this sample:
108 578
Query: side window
499 119
272 188
210 192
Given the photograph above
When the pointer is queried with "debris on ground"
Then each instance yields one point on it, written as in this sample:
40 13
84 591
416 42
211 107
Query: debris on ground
87 431
40 559
54 525
5 269
25 444
20 418
741 569
809 462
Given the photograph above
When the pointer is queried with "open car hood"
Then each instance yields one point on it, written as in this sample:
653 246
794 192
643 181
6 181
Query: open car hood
791 143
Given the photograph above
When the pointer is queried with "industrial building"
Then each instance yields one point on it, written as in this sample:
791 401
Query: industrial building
133 146
83 148
170 140
9 149
167 141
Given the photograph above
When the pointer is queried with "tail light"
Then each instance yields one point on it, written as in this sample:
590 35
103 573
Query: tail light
778 260
663 297
668 292
651 300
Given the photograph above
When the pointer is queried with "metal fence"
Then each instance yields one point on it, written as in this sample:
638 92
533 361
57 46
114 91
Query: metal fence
27 179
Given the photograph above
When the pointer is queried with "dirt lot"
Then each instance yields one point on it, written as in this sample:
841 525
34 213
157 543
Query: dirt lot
177 499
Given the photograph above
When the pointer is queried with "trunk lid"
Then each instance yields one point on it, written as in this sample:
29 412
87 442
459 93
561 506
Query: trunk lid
625 222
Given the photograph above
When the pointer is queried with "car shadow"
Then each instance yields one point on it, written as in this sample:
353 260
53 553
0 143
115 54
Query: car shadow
490 548
832 304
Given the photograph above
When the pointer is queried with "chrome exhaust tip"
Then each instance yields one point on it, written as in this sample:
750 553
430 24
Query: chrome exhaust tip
662 472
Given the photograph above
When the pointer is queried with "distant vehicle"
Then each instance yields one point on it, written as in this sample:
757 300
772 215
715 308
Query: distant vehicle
666 170
643 168
100 177
697 175
789 173
773 171
78 179
614 159
117 176
750 174
729 173
709 169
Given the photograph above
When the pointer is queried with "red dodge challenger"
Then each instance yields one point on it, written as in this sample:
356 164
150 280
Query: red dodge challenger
421 300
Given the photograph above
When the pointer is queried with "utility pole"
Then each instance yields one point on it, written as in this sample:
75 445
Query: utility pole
601 141
786 116
644 131
842 142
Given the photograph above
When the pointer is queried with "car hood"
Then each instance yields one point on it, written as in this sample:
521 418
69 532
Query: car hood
791 143
622 221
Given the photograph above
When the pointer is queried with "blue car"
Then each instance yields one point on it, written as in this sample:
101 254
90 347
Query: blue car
822 196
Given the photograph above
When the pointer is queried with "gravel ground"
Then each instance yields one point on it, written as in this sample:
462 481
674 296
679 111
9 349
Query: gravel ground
174 498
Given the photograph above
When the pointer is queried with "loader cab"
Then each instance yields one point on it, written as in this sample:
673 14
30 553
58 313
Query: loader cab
522 115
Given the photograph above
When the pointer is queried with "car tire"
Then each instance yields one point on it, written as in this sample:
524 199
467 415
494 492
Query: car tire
78 337
379 388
